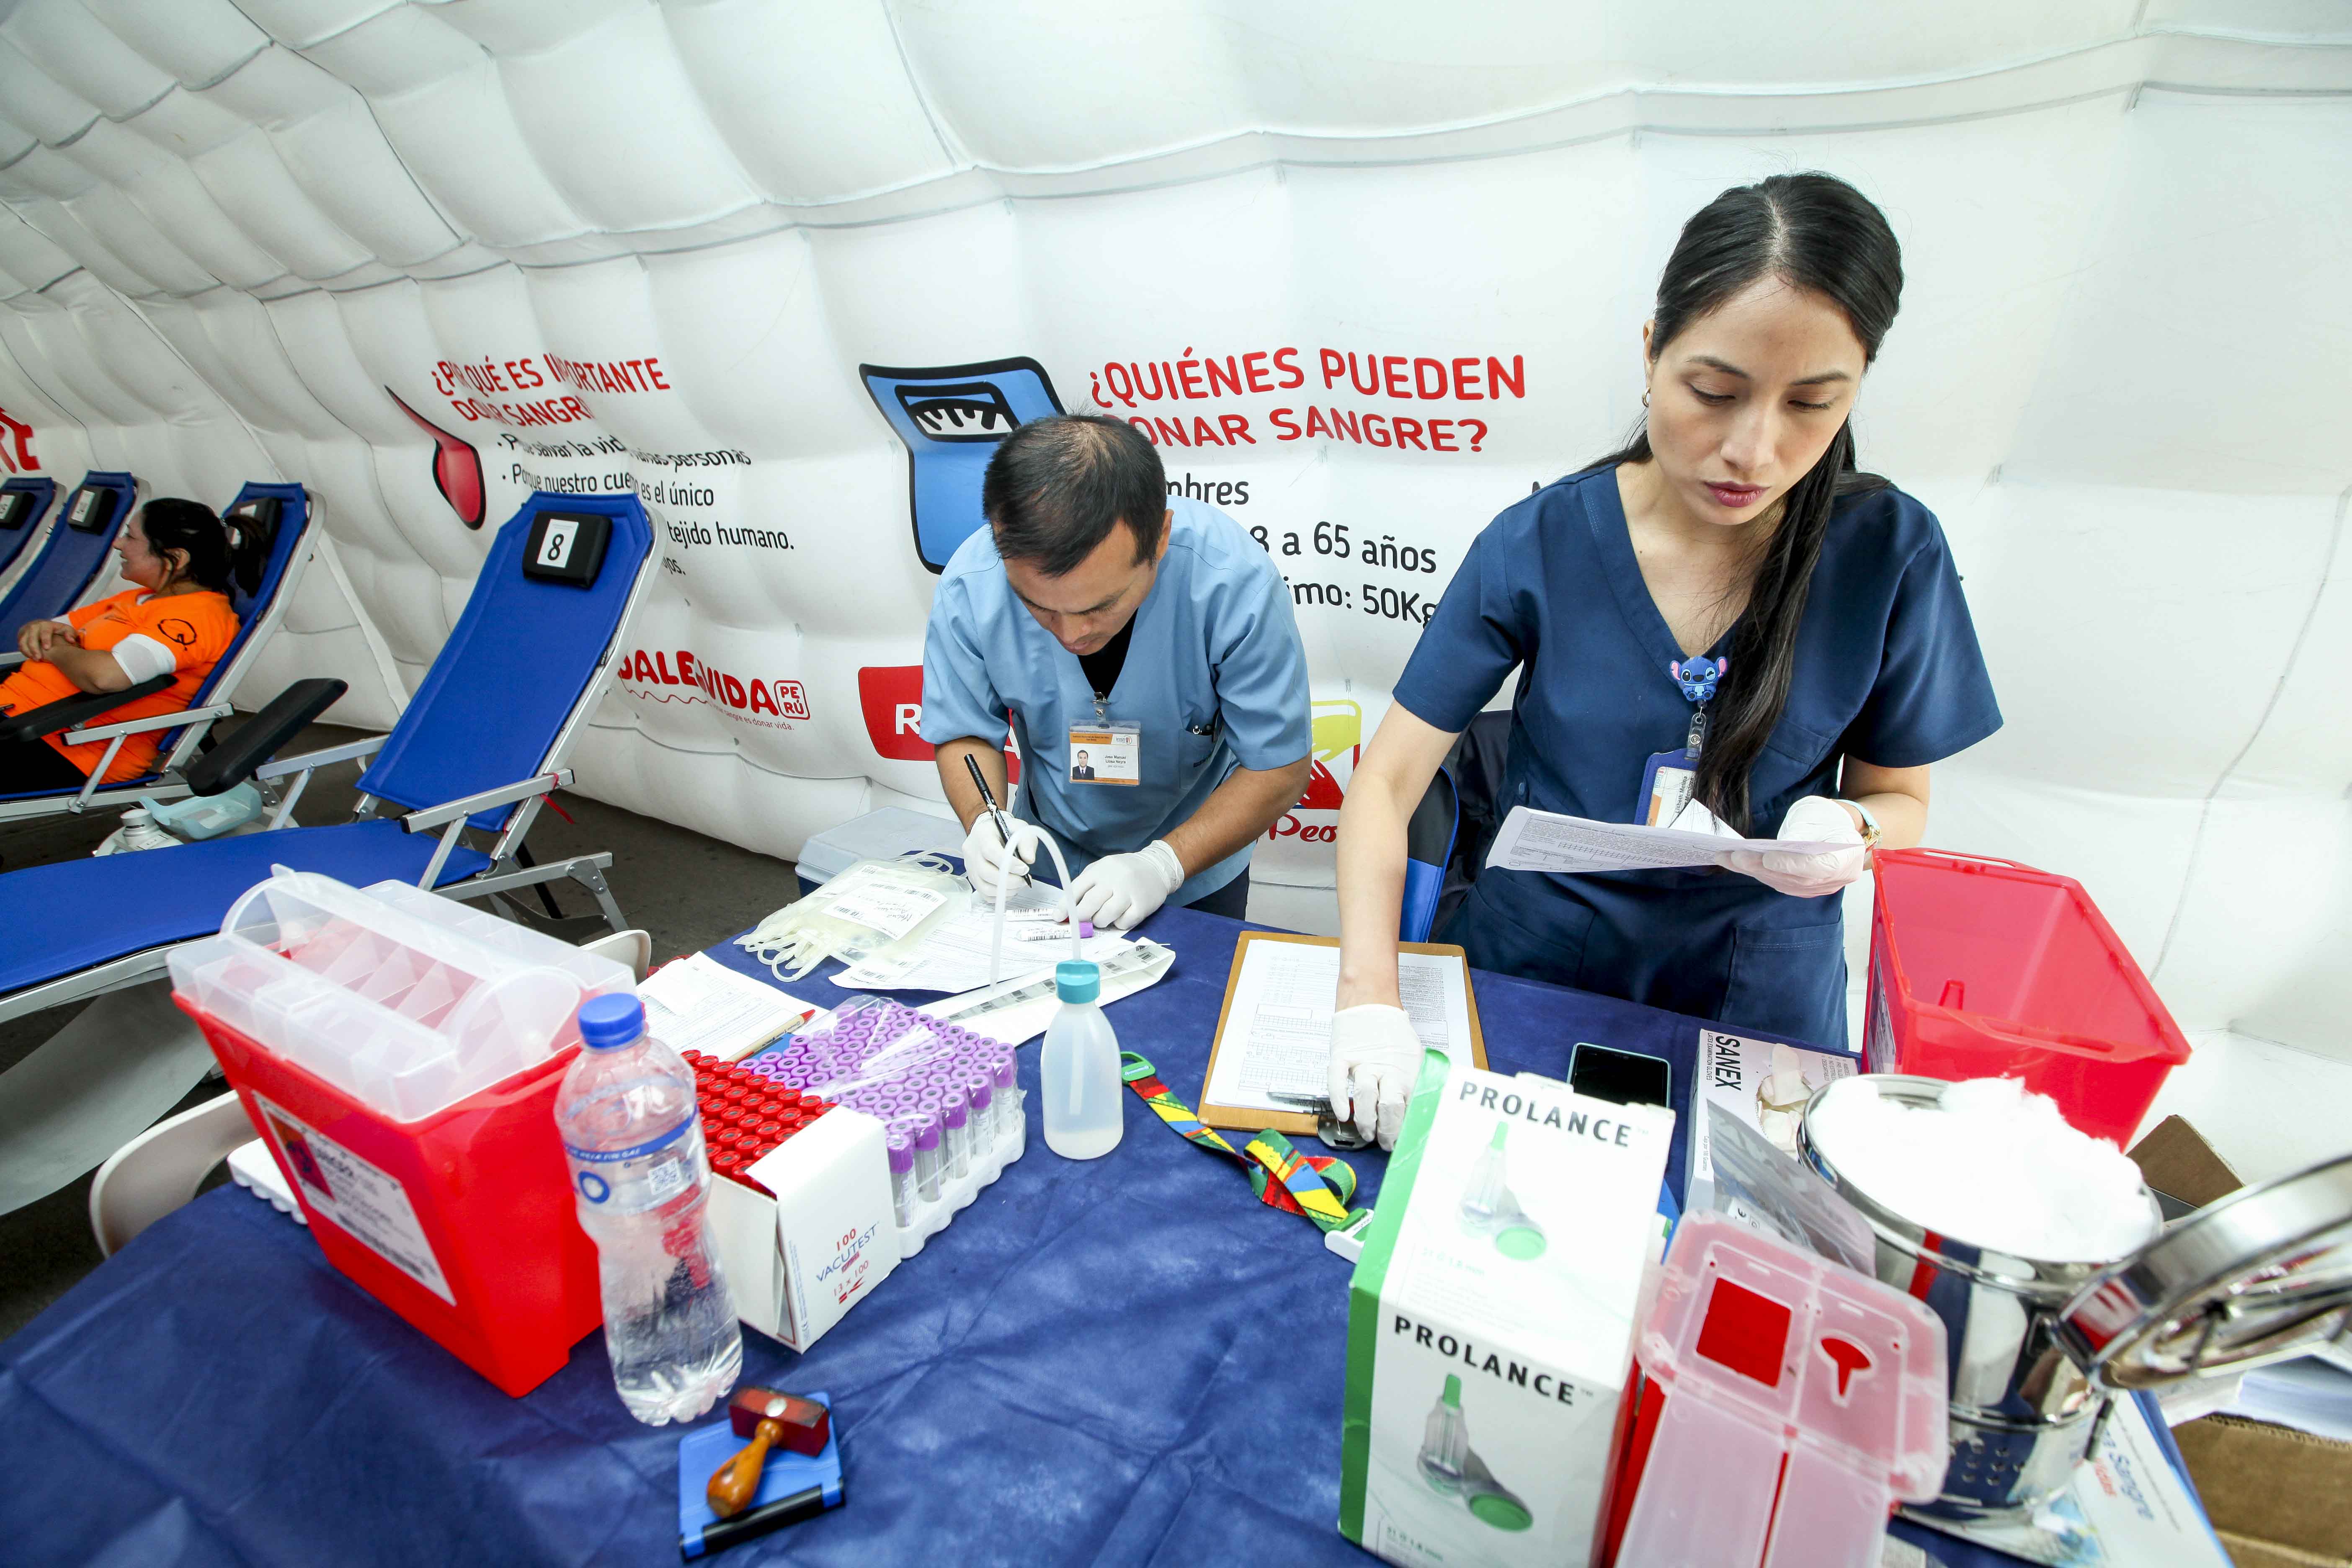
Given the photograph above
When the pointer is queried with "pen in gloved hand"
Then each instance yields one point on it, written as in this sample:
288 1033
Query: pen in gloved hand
988 798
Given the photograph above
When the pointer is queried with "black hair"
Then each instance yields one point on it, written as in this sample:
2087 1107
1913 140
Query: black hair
1815 231
1055 487
172 523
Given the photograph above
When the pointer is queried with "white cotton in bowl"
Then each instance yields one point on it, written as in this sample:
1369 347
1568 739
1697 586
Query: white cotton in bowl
1992 1166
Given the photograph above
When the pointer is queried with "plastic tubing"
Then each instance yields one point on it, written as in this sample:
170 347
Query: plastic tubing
1003 881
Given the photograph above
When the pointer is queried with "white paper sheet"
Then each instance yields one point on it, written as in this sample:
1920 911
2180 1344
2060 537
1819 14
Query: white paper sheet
1010 1013
699 1004
954 955
1547 841
1277 1033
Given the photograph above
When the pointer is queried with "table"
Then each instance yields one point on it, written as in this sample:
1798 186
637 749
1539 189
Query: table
1121 1361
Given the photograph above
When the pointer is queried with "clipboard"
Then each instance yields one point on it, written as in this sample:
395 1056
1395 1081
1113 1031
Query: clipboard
1249 1119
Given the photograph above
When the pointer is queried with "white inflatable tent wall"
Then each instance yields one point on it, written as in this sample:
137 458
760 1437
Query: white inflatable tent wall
1367 271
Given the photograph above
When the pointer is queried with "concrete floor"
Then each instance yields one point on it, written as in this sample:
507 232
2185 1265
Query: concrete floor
687 891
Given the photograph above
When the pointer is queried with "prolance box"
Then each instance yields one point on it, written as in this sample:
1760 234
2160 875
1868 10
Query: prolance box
1490 1320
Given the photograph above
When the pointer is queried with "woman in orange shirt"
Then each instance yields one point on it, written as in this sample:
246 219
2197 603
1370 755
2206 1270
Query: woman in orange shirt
178 621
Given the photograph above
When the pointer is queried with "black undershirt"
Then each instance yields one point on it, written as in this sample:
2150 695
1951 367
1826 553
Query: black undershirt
1103 665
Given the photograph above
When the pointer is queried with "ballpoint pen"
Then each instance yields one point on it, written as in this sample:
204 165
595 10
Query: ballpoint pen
988 798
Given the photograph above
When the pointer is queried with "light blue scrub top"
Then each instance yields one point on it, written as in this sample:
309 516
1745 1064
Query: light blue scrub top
1215 647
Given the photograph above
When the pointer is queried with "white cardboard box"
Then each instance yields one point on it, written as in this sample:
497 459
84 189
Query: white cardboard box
1766 1086
1491 1320
796 1263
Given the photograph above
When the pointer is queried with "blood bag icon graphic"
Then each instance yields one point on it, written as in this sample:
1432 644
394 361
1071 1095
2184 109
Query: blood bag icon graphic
951 418
456 467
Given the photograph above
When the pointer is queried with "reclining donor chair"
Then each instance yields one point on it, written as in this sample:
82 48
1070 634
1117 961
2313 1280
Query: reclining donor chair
271 528
54 578
482 741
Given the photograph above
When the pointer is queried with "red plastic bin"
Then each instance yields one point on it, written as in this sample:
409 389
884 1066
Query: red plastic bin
1981 967
461 1221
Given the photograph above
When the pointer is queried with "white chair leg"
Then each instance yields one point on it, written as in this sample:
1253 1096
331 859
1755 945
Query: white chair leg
161 1169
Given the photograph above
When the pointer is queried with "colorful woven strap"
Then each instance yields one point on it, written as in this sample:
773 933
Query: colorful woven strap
1317 1185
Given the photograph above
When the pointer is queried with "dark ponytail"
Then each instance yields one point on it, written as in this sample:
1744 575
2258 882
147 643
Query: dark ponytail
171 523
1814 232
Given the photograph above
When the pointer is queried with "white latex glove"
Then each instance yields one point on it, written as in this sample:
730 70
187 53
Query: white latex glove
1375 1056
984 852
1815 819
1122 890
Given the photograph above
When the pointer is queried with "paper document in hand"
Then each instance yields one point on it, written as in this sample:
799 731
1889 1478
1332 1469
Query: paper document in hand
1277 1033
1547 841
697 1004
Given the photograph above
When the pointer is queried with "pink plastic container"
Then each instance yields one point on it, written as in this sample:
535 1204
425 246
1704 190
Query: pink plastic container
1782 1406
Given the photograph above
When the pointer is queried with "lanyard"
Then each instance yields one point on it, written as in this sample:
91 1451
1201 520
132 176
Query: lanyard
1698 676
1317 1185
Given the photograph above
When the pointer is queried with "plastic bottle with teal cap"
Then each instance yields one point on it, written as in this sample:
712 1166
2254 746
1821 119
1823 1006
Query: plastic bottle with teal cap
1085 1110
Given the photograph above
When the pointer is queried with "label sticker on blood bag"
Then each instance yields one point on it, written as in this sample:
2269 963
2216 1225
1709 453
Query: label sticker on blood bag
1112 755
365 1201
893 912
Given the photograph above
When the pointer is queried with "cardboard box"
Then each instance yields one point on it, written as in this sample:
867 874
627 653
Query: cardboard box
1766 1086
797 1262
1491 1320
2277 1498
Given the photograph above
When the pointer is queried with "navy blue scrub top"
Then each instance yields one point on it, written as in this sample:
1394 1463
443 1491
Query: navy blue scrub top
1887 671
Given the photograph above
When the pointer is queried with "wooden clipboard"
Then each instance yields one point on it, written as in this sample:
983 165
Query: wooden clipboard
1244 1118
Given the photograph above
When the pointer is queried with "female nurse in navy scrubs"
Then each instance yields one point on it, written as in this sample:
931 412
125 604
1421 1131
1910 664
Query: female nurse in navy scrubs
1732 545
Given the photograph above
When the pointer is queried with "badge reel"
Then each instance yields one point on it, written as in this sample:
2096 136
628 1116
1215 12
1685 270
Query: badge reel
1667 777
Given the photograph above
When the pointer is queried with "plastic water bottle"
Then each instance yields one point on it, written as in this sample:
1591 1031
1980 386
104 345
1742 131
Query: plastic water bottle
1084 1117
632 1137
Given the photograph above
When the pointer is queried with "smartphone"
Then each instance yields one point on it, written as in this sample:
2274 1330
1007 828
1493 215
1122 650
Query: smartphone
1622 1077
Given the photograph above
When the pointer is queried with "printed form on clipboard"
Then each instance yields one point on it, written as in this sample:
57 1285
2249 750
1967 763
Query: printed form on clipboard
1274 1035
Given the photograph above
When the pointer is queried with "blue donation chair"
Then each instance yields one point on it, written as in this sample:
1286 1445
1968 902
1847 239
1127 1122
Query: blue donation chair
72 555
1428 847
271 530
482 743
25 502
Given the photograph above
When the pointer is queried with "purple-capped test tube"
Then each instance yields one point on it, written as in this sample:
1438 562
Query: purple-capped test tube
980 1089
955 1136
902 1176
927 1160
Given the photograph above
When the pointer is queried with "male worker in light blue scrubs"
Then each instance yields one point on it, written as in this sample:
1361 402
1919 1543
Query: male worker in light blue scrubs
1096 614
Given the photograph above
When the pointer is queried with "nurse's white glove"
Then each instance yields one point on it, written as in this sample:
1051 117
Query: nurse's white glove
1375 1056
1815 819
984 852
1122 890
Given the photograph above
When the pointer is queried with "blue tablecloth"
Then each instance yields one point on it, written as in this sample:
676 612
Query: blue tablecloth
1121 1361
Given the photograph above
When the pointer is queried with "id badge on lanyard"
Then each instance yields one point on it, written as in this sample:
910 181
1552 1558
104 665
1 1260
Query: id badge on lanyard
1106 752
1667 778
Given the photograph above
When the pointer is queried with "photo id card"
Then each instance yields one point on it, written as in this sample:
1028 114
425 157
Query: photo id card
1666 787
1112 754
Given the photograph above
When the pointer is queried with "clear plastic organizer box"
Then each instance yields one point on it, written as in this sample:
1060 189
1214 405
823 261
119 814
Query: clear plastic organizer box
405 1000
400 1055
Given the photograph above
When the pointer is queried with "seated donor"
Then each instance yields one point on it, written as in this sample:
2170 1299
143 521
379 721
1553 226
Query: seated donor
1722 626
177 622
1144 652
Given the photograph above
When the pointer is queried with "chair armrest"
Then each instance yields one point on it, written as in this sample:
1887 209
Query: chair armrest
506 794
170 721
67 713
235 760
11 660
350 753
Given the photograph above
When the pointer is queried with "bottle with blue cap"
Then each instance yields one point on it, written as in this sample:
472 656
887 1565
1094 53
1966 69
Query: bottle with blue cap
1079 1067
640 1178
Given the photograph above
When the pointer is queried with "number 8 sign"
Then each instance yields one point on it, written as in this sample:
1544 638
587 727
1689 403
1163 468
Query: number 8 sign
555 549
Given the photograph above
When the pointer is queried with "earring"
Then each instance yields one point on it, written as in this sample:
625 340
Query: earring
1645 398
